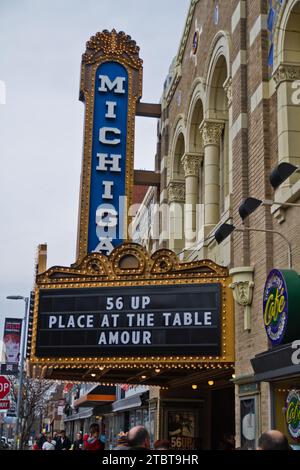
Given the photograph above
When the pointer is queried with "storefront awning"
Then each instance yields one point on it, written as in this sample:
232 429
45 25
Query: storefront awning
274 364
134 401
99 395
93 400
81 415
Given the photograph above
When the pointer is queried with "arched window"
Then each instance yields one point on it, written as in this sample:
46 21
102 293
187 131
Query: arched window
215 130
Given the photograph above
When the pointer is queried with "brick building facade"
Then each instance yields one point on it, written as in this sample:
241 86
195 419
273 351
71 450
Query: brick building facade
229 116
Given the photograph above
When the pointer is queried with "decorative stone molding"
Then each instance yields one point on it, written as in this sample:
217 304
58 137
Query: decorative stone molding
211 132
186 32
242 287
176 191
228 90
286 73
279 214
191 164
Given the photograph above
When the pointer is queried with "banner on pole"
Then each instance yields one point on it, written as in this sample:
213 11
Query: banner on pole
12 340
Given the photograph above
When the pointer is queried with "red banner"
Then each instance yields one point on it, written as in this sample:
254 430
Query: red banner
12 340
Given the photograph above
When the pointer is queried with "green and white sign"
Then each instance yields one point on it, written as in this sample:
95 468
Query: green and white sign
281 303
293 413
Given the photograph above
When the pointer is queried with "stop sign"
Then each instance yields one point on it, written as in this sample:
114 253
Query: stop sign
4 387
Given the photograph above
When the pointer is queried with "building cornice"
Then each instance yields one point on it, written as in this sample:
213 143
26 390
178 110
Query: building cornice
181 49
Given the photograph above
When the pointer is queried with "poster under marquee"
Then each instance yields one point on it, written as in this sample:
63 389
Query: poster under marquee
182 429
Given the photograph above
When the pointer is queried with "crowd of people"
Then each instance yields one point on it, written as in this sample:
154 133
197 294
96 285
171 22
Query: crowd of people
137 438
60 441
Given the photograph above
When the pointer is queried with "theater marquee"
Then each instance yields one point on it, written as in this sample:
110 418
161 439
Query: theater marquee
119 314
111 85
130 320
132 311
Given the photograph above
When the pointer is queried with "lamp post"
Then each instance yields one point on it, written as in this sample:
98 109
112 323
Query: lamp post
226 229
26 300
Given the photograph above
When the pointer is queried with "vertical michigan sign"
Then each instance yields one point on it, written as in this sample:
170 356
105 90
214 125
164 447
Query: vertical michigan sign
111 85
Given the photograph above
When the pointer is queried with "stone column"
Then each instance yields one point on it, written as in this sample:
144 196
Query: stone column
211 135
191 164
176 196
228 91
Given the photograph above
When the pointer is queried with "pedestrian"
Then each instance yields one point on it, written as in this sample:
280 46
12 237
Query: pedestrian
78 443
162 445
91 441
49 444
42 439
138 438
122 441
36 444
63 442
273 440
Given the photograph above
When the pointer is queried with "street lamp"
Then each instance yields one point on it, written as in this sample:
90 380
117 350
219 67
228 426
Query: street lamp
250 204
281 173
26 300
225 230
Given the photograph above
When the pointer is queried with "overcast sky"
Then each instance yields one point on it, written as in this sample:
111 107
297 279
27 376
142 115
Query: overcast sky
41 123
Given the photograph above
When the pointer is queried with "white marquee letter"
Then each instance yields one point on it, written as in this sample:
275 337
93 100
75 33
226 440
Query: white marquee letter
52 321
105 130
105 245
110 215
108 185
117 85
105 159
111 114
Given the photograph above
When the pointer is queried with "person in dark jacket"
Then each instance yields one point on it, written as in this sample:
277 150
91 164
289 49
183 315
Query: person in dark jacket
41 440
78 443
63 442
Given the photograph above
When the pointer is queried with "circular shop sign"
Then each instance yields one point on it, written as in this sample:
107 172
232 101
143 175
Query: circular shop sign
275 306
293 413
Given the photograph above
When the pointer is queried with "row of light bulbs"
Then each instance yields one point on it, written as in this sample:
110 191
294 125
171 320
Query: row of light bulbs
210 383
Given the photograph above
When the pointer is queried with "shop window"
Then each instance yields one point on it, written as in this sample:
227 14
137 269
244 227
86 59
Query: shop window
249 425
286 410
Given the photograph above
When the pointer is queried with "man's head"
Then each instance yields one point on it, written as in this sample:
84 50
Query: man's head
49 438
139 437
273 440
79 436
63 434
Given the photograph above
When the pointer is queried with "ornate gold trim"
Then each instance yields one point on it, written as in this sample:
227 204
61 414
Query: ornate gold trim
129 265
101 48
